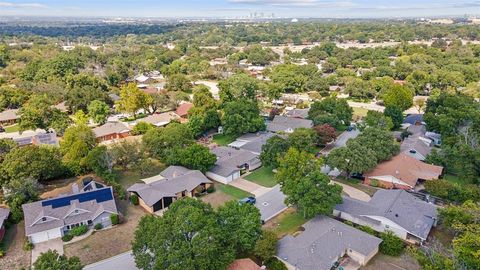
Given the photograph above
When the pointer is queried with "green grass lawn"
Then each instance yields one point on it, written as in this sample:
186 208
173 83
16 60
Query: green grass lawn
455 179
12 128
233 191
130 177
263 176
222 139
356 184
288 222
360 112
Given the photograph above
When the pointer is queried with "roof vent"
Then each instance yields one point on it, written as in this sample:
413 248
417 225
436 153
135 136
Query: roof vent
396 215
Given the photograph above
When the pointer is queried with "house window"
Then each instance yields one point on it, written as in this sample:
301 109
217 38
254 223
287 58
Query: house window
89 222
68 227
387 226
44 219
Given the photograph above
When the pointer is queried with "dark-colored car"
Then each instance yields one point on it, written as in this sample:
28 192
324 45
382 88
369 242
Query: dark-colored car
249 200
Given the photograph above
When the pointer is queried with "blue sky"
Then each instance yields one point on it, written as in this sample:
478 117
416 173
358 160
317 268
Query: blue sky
237 8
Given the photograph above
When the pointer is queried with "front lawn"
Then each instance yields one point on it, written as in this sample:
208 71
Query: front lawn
287 222
360 112
12 128
263 176
223 139
455 179
232 191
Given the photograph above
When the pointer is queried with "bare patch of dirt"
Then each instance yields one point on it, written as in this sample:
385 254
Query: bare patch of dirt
15 257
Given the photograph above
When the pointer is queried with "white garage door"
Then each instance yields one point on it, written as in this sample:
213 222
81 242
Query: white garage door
46 235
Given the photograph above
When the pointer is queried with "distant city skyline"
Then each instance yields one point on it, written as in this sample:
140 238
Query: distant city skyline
240 8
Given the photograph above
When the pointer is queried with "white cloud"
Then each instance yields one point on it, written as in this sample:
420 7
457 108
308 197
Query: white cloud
21 5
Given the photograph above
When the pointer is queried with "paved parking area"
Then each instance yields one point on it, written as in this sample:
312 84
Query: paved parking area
39 248
271 203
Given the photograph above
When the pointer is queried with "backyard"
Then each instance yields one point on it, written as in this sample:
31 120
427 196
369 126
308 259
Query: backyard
263 176
129 177
15 256
12 128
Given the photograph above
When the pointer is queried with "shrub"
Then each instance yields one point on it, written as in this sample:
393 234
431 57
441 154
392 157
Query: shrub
391 244
27 245
367 229
114 218
98 226
210 189
134 199
67 237
141 128
275 264
77 231
373 183
266 246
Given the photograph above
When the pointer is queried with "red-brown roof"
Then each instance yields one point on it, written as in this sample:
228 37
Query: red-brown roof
244 264
182 110
406 169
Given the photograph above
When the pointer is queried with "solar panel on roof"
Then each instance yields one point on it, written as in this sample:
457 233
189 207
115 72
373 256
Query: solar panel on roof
100 195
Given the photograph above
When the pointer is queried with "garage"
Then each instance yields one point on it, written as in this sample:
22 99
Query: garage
45 235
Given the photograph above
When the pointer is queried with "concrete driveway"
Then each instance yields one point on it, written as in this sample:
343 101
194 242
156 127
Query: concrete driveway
124 261
354 193
39 248
340 141
249 187
271 203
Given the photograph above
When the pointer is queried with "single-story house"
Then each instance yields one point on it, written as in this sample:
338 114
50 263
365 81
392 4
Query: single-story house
402 172
323 244
416 147
4 213
160 119
398 211
298 113
435 137
244 264
111 131
52 218
414 119
175 182
183 109
38 139
142 79
252 142
287 124
9 117
231 163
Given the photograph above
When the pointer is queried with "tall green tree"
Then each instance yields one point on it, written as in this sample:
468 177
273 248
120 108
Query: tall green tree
133 99
399 96
353 158
98 111
39 113
303 139
305 186
187 236
51 260
380 141
238 86
274 148
77 142
332 111
242 116
163 142
195 157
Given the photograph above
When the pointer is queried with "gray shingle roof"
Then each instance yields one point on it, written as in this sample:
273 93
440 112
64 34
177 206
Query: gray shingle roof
322 242
38 139
298 113
283 123
59 216
253 142
415 143
4 212
160 119
172 180
412 119
230 160
8 115
406 210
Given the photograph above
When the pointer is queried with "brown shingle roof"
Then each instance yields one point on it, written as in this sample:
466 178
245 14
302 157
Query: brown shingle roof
407 169
244 264
182 110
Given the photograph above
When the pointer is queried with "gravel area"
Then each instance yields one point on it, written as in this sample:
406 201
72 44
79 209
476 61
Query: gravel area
15 257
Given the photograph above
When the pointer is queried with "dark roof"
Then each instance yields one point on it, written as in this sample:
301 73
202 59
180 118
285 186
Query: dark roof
4 213
399 206
171 181
323 242
229 160
287 124
413 119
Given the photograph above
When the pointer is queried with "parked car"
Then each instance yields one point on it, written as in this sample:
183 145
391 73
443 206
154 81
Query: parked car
248 200
2 129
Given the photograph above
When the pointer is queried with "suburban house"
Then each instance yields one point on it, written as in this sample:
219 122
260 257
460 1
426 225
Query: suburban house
173 183
416 147
160 119
52 218
414 119
142 79
231 163
298 113
435 137
9 117
398 211
252 142
183 109
4 213
287 124
326 243
244 264
38 139
111 131
402 172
